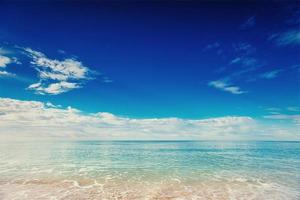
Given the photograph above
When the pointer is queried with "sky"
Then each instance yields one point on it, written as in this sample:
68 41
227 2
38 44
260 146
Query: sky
150 70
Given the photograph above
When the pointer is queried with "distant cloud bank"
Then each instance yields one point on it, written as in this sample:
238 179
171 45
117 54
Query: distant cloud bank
37 120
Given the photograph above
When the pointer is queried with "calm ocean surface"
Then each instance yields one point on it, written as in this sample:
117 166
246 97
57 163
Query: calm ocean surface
149 170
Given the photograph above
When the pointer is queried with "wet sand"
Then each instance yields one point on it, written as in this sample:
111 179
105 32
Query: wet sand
88 189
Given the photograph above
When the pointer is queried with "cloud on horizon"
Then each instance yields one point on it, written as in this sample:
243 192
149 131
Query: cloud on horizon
38 120
295 117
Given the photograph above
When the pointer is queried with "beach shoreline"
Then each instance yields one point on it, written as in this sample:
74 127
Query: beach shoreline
86 189
149 170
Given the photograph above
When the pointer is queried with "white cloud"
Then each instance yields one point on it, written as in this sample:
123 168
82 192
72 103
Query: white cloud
235 60
270 74
4 51
211 46
249 23
37 120
244 61
294 118
242 64
291 37
7 74
244 48
53 88
223 85
56 76
289 108
4 61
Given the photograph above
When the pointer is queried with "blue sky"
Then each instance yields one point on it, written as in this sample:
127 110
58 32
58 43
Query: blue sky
188 60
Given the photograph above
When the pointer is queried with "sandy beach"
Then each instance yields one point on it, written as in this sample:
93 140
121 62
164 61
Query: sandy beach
149 170
91 189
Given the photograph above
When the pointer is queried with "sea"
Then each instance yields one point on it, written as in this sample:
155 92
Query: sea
149 170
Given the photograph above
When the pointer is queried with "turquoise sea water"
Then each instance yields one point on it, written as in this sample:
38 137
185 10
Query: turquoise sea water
224 170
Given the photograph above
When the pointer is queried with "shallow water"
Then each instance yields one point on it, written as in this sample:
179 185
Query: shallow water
149 170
